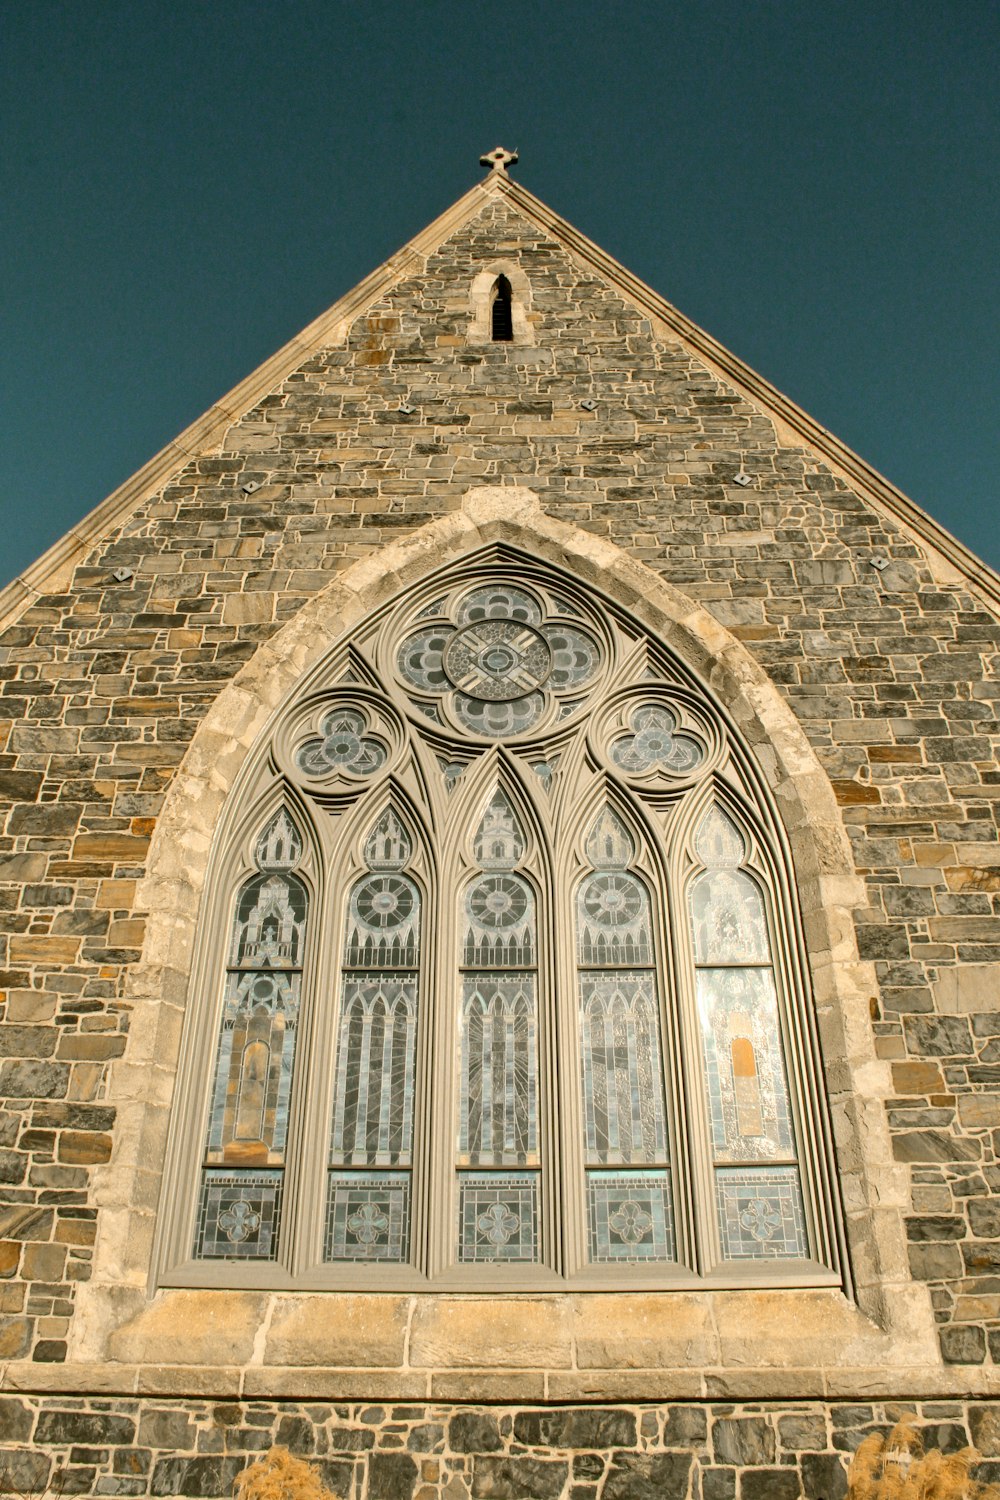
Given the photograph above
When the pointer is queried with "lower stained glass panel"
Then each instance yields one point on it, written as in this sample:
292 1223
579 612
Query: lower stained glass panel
631 1216
497 1216
238 1215
760 1213
368 1216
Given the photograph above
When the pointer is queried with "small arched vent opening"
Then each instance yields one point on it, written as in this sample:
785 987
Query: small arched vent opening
502 320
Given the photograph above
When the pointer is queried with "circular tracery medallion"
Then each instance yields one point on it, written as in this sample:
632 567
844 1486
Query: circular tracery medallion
498 660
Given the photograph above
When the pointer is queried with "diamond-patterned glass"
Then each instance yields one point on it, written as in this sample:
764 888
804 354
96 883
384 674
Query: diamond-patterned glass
631 1217
497 1216
760 1213
368 1216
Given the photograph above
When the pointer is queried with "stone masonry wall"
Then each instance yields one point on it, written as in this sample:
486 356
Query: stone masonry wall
894 677
693 1451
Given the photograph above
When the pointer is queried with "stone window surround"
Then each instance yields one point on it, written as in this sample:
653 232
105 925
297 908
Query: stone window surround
815 1336
273 777
481 304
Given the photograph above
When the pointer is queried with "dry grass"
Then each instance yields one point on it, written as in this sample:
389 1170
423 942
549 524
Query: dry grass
279 1476
897 1468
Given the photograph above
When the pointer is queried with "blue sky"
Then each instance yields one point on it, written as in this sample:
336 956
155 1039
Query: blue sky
186 185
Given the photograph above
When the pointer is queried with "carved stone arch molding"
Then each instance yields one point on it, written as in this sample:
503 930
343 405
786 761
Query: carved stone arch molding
817 1330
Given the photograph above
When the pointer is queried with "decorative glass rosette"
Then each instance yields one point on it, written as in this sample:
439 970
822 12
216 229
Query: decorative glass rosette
659 738
337 743
498 661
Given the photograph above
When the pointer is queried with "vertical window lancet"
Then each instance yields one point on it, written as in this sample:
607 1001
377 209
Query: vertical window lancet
498 1149
626 1155
371 1138
757 1189
501 312
243 1165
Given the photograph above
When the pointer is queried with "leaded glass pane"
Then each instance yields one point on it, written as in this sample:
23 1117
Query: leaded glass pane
718 842
576 656
495 720
498 602
728 919
613 928
280 845
388 846
419 659
376 1051
744 1067
499 841
368 1216
383 924
253 1071
499 923
498 1111
760 1213
624 1098
270 924
497 1216
656 744
238 1215
342 746
609 843
631 1217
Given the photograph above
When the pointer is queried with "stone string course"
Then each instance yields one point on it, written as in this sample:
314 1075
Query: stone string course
893 675
424 1452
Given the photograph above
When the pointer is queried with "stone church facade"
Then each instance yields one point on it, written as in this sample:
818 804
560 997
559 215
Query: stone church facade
502 596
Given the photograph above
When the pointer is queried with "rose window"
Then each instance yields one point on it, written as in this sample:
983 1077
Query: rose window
499 662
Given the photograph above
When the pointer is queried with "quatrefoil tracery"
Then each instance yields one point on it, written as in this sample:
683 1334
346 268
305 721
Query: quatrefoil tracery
497 660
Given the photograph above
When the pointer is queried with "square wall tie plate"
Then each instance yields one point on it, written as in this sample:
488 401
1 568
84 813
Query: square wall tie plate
589 404
742 479
405 409
879 562
122 575
250 486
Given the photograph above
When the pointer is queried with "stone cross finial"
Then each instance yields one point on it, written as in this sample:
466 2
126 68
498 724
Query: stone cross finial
498 159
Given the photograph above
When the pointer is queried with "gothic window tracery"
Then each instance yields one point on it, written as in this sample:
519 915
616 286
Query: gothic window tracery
553 1004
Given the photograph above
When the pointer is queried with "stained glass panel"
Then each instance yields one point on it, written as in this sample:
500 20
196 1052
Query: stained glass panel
342 746
744 1066
500 923
368 1216
499 842
498 1109
576 656
727 916
497 1216
376 1051
498 602
656 743
718 842
238 1215
270 924
248 1124
631 1217
624 1099
613 928
760 1213
383 925
496 720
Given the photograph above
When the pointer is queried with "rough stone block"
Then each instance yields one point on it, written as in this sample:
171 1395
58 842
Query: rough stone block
481 1333
337 1330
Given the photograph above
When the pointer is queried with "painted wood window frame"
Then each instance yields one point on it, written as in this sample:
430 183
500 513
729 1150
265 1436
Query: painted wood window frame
437 756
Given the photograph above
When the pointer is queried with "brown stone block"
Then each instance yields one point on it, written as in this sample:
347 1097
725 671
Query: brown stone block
10 1251
43 1262
335 1385
116 895
31 949
76 1231
855 793
917 1078
110 846
491 1332
895 754
620 1332
192 1328
15 1337
248 609
337 1329
488 1385
83 1147
147 708
979 1111
90 1048
127 934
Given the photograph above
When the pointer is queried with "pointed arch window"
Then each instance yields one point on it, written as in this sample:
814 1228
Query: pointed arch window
550 1022
501 312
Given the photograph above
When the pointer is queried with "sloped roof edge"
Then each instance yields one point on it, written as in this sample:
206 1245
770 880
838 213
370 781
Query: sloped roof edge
860 474
55 566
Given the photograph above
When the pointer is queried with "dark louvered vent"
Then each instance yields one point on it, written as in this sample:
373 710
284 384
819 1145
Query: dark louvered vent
503 324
